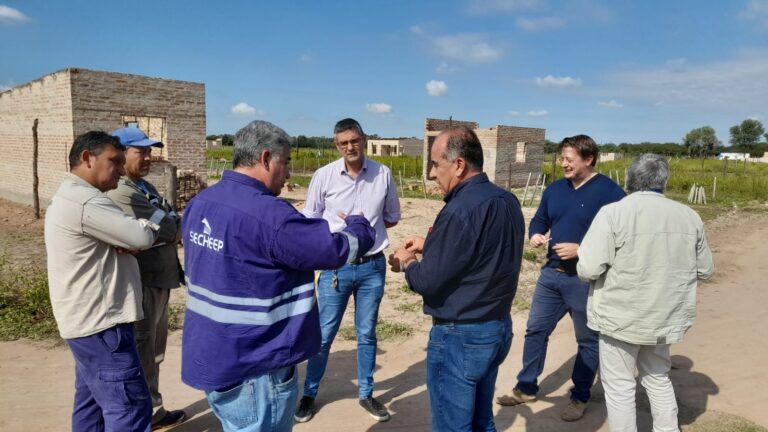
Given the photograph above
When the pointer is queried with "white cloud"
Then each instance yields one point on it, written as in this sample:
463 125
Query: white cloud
538 24
539 113
611 104
415 29
737 84
378 108
472 48
436 88
9 15
757 11
513 113
494 6
305 58
244 109
553 81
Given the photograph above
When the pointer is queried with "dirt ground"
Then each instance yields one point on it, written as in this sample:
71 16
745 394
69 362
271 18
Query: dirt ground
717 372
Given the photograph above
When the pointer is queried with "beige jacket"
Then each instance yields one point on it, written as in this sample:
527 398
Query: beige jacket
643 256
92 286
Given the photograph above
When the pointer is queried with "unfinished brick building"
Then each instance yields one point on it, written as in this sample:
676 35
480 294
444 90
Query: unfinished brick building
72 101
510 153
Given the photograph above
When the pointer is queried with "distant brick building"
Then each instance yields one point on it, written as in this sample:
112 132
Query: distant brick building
510 153
72 101
394 147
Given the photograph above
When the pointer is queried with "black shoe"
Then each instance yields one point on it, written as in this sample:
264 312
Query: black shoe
305 410
375 409
172 418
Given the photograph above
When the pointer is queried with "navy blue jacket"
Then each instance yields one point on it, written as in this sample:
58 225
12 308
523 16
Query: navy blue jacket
472 255
567 213
249 261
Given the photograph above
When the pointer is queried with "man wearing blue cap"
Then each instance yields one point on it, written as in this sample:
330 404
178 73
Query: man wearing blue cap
159 265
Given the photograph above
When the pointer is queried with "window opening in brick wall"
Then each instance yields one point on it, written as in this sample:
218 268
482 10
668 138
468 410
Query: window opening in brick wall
520 155
155 129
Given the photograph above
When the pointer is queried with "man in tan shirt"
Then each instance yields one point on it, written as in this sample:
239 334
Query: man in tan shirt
95 287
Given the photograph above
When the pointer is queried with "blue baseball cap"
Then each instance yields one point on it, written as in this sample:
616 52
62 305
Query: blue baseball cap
134 137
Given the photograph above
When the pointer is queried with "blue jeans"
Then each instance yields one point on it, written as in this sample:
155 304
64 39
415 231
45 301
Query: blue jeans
462 363
557 293
366 283
261 403
111 393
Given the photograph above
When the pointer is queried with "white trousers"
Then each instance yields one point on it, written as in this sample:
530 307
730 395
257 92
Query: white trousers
618 361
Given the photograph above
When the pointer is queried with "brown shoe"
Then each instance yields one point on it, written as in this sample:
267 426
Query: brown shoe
574 411
516 398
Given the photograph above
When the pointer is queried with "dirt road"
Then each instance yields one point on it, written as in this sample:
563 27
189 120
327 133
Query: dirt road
718 366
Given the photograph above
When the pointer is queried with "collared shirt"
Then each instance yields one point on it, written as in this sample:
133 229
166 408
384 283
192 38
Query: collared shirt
643 256
471 261
373 194
92 287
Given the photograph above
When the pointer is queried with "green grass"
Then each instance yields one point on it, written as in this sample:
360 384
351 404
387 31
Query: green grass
25 306
408 307
404 288
385 330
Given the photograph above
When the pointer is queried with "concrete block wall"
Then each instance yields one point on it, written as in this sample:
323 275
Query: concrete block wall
48 99
499 144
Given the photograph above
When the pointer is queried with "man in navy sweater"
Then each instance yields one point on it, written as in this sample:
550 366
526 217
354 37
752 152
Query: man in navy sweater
563 218
468 277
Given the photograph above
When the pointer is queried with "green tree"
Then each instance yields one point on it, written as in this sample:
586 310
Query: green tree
746 136
701 142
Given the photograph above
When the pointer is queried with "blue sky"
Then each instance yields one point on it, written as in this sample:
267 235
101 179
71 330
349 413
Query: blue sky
620 71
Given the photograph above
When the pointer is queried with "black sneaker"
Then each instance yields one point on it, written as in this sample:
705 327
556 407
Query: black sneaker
305 410
375 409
171 418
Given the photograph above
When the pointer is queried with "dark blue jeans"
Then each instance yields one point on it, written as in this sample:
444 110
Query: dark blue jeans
557 294
462 363
366 283
111 393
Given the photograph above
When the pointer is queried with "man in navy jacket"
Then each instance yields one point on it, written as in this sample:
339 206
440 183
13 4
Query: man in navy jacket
468 277
563 218
251 312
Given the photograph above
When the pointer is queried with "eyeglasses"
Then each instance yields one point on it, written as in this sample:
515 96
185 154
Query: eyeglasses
356 142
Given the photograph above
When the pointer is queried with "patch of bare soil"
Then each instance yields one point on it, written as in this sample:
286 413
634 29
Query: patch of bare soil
716 368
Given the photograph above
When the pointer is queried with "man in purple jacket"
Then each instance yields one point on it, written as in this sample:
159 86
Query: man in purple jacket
251 312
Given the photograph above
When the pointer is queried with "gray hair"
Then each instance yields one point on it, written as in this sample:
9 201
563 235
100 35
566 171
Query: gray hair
463 143
256 137
648 171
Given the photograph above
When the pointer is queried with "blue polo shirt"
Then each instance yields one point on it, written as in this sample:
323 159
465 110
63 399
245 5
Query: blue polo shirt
472 255
566 213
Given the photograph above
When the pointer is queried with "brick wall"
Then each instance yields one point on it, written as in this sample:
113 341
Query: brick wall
73 101
101 99
49 100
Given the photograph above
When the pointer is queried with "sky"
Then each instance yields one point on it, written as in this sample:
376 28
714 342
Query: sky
619 71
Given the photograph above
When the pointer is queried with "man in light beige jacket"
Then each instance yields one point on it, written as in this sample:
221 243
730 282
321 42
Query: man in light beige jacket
643 256
95 287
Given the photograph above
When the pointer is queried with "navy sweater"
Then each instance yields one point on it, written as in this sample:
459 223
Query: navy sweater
472 255
566 213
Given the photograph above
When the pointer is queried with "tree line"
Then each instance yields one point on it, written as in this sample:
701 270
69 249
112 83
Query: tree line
746 137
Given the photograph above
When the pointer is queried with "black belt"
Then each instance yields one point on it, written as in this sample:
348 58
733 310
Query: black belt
365 259
440 321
